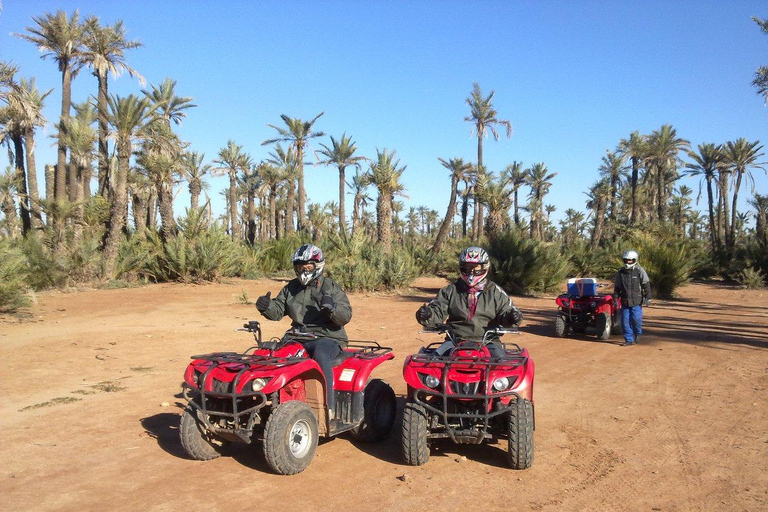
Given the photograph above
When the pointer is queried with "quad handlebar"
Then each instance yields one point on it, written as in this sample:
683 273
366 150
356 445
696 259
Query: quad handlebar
490 334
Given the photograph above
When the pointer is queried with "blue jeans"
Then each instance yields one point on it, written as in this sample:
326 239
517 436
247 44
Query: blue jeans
324 351
632 322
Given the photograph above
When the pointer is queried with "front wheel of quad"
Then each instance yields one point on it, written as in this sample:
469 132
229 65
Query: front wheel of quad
290 437
561 328
414 434
380 408
520 431
196 441
603 326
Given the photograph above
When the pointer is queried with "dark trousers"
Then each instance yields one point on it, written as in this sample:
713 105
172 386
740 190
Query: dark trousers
324 351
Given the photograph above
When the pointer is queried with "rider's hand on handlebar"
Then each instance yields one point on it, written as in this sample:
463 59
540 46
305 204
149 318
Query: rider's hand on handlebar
512 317
327 304
262 303
423 314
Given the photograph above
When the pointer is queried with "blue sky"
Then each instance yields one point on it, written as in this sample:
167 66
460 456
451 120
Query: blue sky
573 78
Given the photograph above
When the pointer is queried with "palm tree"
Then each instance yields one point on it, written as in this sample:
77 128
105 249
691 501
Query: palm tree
80 138
681 208
497 198
539 179
412 221
342 155
169 106
664 146
271 177
484 118
60 38
760 204
128 117
482 178
635 148
232 159
613 168
513 176
251 182
599 194
104 53
287 161
761 75
741 157
459 170
8 191
705 163
572 226
384 173
194 171
359 183
298 134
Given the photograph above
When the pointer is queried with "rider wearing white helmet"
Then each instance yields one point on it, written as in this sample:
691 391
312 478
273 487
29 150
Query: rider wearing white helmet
634 288
316 304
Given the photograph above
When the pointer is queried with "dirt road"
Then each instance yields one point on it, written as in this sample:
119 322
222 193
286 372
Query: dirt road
90 409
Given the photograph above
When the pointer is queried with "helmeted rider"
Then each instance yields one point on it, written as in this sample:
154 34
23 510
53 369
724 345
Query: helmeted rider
633 286
315 303
471 303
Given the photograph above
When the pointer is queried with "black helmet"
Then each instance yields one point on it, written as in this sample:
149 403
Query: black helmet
308 253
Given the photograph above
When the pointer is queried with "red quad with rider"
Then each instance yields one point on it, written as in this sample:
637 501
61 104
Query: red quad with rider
581 307
469 395
276 393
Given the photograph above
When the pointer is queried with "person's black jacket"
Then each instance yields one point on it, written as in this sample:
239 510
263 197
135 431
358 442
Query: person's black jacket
632 285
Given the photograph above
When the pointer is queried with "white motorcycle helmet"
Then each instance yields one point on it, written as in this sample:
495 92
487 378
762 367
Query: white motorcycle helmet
308 253
630 259
474 264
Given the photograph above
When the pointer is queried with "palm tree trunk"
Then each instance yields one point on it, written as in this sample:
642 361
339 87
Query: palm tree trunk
235 229
302 193
723 214
635 173
713 235
66 105
734 211
152 208
342 207
355 213
290 207
103 174
139 208
50 184
165 200
384 222
251 218
21 177
117 211
448 220
194 194
34 193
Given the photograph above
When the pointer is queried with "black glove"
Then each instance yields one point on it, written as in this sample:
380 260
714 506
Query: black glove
513 317
326 304
646 302
262 303
423 314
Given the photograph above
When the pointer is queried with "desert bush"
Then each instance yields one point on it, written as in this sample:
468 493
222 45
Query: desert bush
525 266
669 262
275 256
13 277
47 268
602 262
751 279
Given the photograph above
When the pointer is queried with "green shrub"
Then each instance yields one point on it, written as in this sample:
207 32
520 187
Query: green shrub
13 277
669 263
751 278
526 266
47 269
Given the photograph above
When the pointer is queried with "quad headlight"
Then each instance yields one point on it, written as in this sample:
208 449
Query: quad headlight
258 384
431 381
501 384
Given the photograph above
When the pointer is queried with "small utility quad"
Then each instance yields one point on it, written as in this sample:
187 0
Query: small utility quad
275 392
469 396
582 307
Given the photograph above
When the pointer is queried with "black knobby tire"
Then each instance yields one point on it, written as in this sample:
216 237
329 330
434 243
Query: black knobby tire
616 327
561 328
414 434
196 441
290 438
603 326
380 409
520 424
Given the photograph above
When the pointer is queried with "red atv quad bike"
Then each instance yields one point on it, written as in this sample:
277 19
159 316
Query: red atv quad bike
582 308
274 392
469 396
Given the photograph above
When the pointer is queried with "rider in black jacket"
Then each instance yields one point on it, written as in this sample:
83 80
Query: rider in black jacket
634 288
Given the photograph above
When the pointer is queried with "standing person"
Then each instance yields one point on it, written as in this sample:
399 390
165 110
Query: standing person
634 288
471 303
316 303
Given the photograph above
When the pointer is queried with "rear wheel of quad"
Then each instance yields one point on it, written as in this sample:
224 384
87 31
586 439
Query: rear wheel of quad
561 328
196 441
380 408
414 434
290 437
616 327
520 432
603 326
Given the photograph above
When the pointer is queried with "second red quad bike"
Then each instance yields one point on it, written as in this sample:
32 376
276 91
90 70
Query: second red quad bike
469 394
275 393
582 308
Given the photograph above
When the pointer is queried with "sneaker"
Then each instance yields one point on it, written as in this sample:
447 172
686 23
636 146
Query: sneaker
627 344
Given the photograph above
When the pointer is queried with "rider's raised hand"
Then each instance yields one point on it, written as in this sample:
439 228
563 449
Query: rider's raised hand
263 302
512 317
327 304
423 314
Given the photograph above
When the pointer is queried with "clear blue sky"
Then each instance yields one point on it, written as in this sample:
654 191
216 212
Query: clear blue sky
573 77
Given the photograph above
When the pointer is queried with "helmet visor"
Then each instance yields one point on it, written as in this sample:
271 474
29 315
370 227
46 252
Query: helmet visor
629 261
472 270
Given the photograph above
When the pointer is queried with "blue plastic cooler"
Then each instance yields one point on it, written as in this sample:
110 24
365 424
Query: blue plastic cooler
582 286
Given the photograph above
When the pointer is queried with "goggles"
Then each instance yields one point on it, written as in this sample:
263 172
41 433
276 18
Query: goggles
300 265
629 260
473 271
